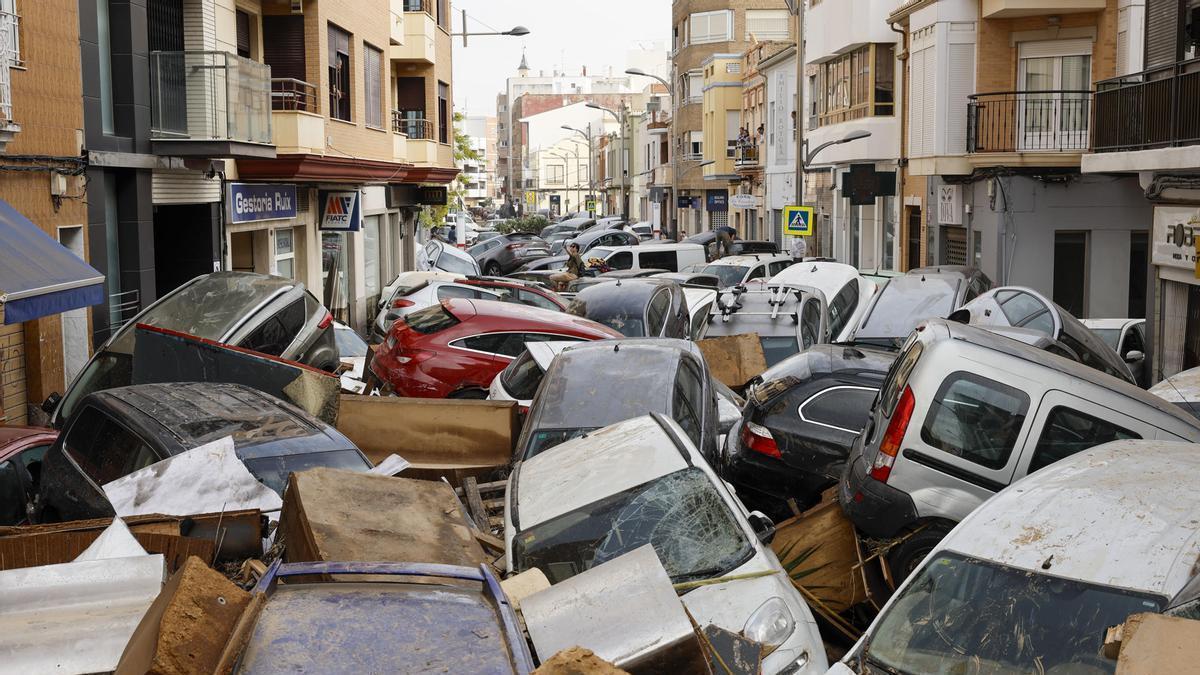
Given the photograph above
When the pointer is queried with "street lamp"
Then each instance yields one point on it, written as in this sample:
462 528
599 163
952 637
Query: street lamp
515 31
852 136
591 169
621 119
674 211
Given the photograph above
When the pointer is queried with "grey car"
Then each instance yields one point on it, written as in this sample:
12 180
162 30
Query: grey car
593 385
907 300
503 254
266 314
635 307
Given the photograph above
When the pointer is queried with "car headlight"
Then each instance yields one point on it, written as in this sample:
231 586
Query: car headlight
771 624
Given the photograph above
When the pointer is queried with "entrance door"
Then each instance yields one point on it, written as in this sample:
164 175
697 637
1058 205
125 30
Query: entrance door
1070 271
1054 107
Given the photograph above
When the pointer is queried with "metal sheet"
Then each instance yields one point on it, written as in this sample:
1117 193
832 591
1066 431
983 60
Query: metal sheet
622 610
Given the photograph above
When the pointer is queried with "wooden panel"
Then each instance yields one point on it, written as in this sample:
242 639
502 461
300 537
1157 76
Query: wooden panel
821 545
31 550
734 359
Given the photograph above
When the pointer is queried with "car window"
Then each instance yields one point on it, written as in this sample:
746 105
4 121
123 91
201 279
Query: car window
659 260
278 331
621 260
687 402
534 300
699 320
844 408
1023 309
431 320
656 312
976 419
104 449
13 493
1133 341
897 377
842 307
810 323
490 343
759 272
448 291
779 266
1069 431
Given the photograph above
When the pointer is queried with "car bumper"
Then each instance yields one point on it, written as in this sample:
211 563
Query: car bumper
876 509
751 472
408 381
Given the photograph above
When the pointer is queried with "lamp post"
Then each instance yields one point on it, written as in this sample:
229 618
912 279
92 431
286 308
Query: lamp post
852 136
674 229
591 169
567 174
796 8
515 31
622 117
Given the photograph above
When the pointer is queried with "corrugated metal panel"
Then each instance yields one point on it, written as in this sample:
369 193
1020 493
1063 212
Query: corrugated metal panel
961 85
283 48
916 105
954 245
185 187
1162 31
1047 48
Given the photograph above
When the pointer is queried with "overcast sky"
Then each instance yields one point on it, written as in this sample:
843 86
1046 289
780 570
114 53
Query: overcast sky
564 34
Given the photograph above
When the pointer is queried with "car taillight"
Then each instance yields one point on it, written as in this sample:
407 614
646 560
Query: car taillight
513 247
881 468
326 322
759 439
401 303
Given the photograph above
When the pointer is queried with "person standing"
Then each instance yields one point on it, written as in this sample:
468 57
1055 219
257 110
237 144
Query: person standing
799 249
725 237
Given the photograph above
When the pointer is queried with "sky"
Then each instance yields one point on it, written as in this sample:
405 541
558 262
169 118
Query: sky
564 34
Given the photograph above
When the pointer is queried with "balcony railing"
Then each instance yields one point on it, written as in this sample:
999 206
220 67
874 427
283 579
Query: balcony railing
410 123
747 156
209 96
1029 121
419 6
691 157
288 94
10 55
1153 109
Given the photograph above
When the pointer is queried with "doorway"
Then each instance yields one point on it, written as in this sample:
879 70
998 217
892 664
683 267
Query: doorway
74 322
1070 272
914 237
193 231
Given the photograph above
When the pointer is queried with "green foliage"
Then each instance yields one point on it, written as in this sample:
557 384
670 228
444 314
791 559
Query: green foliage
435 216
526 224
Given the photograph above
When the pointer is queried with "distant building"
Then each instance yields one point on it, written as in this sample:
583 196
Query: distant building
480 172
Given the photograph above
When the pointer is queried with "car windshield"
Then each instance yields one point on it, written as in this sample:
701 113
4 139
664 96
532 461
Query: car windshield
680 514
959 611
545 439
522 377
1111 336
904 303
273 471
599 252
451 263
730 275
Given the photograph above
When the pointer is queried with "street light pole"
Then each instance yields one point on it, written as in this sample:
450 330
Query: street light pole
515 31
621 118
796 7
591 169
674 210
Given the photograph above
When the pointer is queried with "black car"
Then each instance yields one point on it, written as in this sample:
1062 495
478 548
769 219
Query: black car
799 423
739 246
572 224
907 300
118 431
503 254
635 307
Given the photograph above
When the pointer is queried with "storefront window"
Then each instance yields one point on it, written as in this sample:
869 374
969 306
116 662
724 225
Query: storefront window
335 266
889 233
371 261
285 253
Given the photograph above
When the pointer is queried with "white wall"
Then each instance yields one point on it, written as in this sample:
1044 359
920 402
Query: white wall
836 25
942 75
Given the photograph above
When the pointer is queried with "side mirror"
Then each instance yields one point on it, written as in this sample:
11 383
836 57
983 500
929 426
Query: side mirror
1134 356
763 526
391 316
51 403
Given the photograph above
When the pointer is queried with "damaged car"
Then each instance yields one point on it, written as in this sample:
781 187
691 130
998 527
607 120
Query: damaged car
643 481
636 307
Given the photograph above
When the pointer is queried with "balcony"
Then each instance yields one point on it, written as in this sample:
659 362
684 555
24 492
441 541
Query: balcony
1150 110
1050 127
420 144
1012 9
210 104
298 126
417 43
748 159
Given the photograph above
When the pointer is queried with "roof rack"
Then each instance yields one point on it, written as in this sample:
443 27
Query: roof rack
777 297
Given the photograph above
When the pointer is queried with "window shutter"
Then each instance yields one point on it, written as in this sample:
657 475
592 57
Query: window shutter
929 111
962 82
1162 32
372 71
767 24
916 107
243 33
284 52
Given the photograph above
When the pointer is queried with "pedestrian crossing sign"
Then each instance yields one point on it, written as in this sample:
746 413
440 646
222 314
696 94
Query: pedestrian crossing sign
798 221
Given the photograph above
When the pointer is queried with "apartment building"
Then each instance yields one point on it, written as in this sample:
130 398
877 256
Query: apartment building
46 289
997 118
1147 128
749 210
702 29
480 171
560 153
199 113
656 170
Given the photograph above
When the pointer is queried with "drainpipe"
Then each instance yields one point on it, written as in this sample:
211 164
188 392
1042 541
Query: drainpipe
902 162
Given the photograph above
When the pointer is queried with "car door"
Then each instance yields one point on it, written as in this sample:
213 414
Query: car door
1066 424
277 331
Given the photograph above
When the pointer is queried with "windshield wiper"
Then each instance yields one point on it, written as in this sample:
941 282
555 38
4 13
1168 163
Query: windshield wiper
875 663
705 573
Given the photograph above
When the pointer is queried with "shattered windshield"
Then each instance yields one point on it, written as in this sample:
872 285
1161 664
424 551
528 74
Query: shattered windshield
966 616
681 515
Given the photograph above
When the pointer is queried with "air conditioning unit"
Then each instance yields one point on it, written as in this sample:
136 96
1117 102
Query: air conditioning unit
297 6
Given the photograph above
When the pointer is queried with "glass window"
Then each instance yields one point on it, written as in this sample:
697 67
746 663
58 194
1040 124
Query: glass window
759 272
845 408
659 260
897 377
729 275
285 252
430 320
335 267
976 419
1069 431
810 323
443 110
14 484
842 307
656 312
447 292
278 331
349 344
960 610
274 471
535 300
373 86
103 449
371 262
1109 335
776 349
682 515
339 74
621 260
104 35
1023 309
522 377
1133 341
688 400
491 343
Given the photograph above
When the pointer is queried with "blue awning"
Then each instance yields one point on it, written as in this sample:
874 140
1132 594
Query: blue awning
39 276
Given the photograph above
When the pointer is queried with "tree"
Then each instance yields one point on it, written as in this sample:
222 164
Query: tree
434 216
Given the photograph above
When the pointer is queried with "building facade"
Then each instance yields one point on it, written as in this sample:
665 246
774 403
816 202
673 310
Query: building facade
480 171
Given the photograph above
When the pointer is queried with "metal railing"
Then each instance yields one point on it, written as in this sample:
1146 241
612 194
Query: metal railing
290 94
692 100
410 123
691 157
747 155
1029 121
10 54
1156 108
197 95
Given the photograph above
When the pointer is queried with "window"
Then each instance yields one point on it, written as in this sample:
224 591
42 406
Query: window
443 15
842 307
656 313
104 37
373 85
285 252
767 24
843 408
339 73
278 331
622 260
431 320
810 324
489 344
1069 431
711 26
1025 311
733 120
443 112
105 450
976 419
659 260
534 300
857 84
449 292
688 401
555 174
696 143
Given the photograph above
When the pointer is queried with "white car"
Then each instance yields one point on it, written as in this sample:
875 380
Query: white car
412 291
1127 337
700 303
1181 389
519 381
642 481
847 291
1030 581
734 270
440 256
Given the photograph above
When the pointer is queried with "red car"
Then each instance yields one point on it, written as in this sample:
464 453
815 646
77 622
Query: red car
455 349
21 452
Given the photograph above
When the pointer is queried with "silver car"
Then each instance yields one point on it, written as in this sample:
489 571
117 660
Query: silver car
414 291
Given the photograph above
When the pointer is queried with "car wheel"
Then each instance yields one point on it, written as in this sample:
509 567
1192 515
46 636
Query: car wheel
492 270
904 558
470 394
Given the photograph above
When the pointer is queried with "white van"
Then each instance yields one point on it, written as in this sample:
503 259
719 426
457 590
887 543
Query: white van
669 257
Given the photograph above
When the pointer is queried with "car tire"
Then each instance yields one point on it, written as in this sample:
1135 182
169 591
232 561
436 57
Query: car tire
492 270
469 394
904 558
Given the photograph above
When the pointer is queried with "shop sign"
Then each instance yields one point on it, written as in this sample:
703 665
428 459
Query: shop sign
251 202
341 211
1176 235
743 201
716 200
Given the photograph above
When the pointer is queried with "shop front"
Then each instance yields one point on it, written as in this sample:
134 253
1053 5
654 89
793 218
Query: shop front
265 227
1176 259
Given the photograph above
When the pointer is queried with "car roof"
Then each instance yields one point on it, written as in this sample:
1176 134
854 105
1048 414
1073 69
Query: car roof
1102 324
213 304
650 246
583 470
11 434
943 329
822 274
960 271
1122 514
623 291
510 316
1182 387
748 259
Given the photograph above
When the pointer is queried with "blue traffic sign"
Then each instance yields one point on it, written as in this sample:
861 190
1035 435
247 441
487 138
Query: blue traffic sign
798 221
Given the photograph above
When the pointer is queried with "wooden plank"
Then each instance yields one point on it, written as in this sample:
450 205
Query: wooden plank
490 541
474 503
826 541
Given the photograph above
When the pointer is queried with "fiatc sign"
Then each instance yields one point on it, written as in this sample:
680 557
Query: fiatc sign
341 211
250 202
1176 233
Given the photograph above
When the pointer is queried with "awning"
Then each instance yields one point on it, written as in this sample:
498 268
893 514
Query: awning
38 276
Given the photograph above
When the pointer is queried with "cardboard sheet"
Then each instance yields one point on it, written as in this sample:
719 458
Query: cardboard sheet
734 359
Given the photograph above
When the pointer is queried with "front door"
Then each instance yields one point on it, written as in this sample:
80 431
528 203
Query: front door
1054 106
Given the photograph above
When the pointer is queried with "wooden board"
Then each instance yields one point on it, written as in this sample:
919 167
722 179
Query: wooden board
52 548
734 359
827 536
1154 643
432 434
